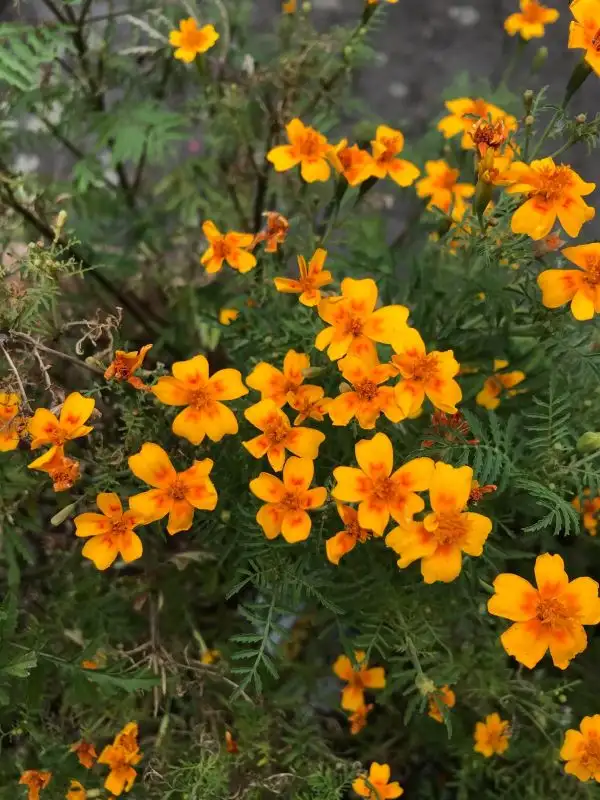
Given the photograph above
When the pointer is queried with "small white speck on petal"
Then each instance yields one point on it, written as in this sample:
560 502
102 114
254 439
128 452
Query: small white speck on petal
464 15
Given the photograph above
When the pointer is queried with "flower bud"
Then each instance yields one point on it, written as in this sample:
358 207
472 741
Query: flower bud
529 120
345 387
539 59
425 686
528 96
588 442
581 118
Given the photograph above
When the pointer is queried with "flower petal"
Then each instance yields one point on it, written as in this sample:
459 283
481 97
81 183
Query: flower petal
295 526
514 598
375 456
153 466
267 487
450 487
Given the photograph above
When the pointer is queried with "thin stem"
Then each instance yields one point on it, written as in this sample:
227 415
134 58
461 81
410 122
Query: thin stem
26 339
562 149
15 372
546 132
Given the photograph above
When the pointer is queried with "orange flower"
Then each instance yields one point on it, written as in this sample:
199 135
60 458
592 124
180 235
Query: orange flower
35 780
86 753
583 31
491 736
443 697
589 511
230 247
124 365
488 135
287 501
76 791
445 533
274 384
205 414
228 315
289 6
346 540
530 22
552 191
549 617
442 187
45 428
210 656
175 494
358 677
464 111
367 399
111 531
548 244
386 147
358 718
275 233
307 147
191 40
309 402
121 756
230 743
355 324
377 786
380 492
580 287
312 279
354 164
581 750
63 471
10 423
424 374
277 435
489 396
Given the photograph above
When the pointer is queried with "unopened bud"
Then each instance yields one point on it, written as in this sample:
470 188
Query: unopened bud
225 516
528 96
562 698
347 51
307 7
345 387
588 442
425 686
483 196
312 372
540 58
529 120
59 224
581 118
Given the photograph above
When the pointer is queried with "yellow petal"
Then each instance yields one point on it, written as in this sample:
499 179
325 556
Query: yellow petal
153 466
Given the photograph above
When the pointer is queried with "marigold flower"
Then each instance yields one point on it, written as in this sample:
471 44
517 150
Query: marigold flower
354 324
63 471
549 244
228 315
488 135
424 375
125 364
278 435
275 233
583 31
191 40
358 677
35 780
287 501
354 164
10 423
306 147
552 191
374 2
367 399
230 743
230 247
210 656
580 287
489 397
345 541
443 697
386 147
478 491
275 384
312 279
85 752
380 492
445 533
289 6
530 22
589 510
45 428
310 403
442 187
464 111
175 493
121 757
76 791
549 617
205 413
581 750
111 532
491 736
377 786
358 718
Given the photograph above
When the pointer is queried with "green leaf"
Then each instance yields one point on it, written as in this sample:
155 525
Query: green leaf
140 682
20 666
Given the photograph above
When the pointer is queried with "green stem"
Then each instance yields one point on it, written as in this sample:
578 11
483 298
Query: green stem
547 131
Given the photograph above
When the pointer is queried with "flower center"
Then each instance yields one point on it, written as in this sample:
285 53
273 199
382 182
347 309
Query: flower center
447 180
366 390
596 41
190 40
177 489
384 489
291 501
451 529
552 612
590 757
592 275
354 326
392 147
122 370
119 527
64 477
200 398
359 534
554 182
424 368
311 145
277 430
532 12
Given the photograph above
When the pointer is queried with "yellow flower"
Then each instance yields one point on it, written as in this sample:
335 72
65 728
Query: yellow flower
442 187
76 791
62 471
358 718
491 736
489 396
121 756
228 315
530 22
345 541
442 697
205 413
111 532
366 399
312 279
210 656
287 501
488 135
583 31
230 247
10 423
124 365
310 403
358 677
307 147
175 494
377 786
191 40
581 750
580 287
386 147
446 532
85 752
275 233
589 510
354 164
277 385
464 112
289 6
35 780
45 428
277 435
380 492
549 617
552 191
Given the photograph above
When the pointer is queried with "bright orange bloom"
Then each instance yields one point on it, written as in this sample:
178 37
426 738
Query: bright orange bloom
358 718
310 403
489 397
548 244
191 40
210 656
355 324
287 501
45 428
583 31
488 135
345 541
443 697
289 6
205 413
589 510
386 147
530 22
176 493
277 435
111 532
228 315
97 662
10 423
86 753
230 247
230 743
552 191
124 365
549 617
35 780
307 147
359 677
445 533
442 187
276 385
354 164
377 786
581 750
76 791
121 756
275 233
380 492
491 736
374 2
367 399
424 375
464 112
312 279
63 471
580 287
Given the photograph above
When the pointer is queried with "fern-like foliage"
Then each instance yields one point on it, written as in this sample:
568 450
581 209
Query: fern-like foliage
561 516
496 450
24 49
548 421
